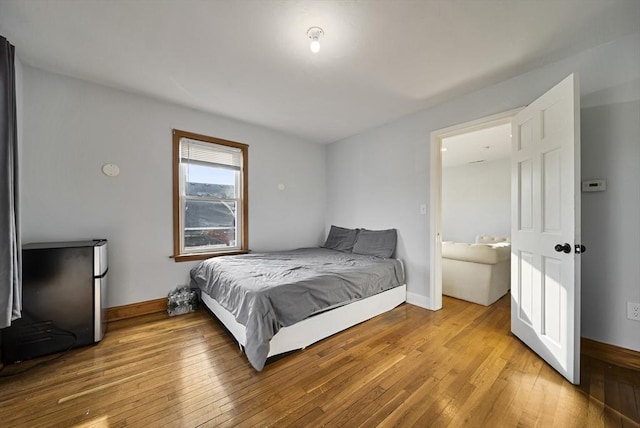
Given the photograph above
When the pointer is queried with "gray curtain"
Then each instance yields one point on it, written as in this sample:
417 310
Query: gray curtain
10 247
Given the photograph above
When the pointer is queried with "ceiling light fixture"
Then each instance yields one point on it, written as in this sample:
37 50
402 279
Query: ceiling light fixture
315 33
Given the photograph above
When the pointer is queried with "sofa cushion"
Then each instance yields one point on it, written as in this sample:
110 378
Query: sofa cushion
476 253
489 239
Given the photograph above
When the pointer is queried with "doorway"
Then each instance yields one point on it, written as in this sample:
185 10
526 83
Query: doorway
437 137
545 269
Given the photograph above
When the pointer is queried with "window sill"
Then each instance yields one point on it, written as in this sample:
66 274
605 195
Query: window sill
203 256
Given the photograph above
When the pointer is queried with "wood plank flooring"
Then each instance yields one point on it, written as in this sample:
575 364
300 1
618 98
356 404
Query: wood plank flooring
410 367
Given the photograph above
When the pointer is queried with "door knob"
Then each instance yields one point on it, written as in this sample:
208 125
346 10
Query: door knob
580 249
566 248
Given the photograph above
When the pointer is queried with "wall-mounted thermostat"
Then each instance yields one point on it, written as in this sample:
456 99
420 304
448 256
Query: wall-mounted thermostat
594 185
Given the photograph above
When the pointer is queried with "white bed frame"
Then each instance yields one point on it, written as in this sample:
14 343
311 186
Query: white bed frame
310 330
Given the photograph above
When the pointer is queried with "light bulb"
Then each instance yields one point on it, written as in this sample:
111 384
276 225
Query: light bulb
315 45
315 34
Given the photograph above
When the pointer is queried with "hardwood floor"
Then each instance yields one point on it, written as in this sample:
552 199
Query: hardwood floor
409 367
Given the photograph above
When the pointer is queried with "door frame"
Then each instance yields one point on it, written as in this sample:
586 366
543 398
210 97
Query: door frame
435 194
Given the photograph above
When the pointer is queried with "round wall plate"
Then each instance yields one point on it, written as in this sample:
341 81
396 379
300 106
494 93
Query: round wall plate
110 169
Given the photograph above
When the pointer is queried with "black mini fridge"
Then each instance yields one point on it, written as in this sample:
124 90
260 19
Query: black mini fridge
64 286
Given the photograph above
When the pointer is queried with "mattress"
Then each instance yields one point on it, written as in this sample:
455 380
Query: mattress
267 291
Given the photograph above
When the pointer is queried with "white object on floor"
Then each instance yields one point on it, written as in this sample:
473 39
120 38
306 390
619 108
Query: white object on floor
478 273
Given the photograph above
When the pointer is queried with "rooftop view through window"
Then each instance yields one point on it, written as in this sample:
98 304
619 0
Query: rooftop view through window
210 212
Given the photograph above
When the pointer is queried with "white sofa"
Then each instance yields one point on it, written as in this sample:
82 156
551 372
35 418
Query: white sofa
480 272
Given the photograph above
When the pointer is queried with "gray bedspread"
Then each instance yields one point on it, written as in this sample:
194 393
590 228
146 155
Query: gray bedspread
267 291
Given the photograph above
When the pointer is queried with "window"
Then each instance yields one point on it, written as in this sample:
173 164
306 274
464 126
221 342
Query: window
209 196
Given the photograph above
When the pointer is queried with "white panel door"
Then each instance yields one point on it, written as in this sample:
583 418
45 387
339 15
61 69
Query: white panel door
545 227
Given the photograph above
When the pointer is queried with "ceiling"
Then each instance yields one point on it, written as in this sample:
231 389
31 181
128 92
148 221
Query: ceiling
483 145
250 59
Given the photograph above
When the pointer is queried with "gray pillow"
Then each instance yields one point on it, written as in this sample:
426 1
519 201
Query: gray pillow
341 239
379 243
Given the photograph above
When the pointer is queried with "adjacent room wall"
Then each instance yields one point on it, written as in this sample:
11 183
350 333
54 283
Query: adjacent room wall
476 200
380 177
72 128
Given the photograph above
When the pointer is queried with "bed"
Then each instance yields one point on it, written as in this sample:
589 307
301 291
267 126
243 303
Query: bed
277 302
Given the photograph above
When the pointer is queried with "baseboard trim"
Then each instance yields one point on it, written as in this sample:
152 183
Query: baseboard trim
611 354
418 300
136 309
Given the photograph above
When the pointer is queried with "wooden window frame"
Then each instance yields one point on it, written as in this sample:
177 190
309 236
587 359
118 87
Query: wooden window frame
178 256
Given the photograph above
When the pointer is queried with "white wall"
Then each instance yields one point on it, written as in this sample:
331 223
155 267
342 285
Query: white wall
379 178
611 222
476 200
73 127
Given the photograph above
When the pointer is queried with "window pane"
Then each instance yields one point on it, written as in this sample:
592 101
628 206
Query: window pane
210 223
205 180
